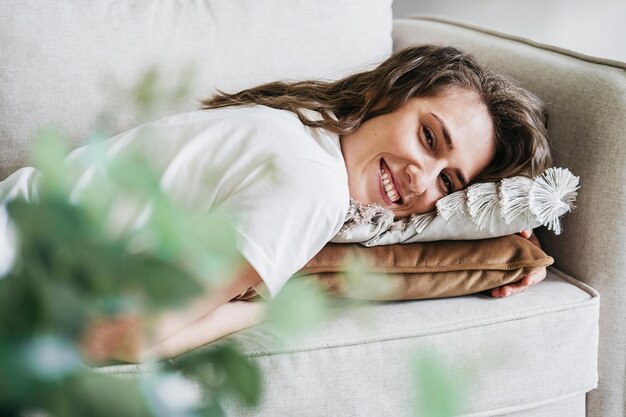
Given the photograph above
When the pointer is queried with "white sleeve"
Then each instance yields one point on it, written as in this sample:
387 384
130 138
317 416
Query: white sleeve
283 219
23 184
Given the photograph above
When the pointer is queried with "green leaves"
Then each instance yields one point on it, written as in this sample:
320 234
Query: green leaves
159 284
152 92
240 375
440 393
299 307
73 262
221 369
49 150
361 283
91 394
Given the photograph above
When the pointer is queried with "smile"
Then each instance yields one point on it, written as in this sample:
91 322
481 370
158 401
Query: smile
387 185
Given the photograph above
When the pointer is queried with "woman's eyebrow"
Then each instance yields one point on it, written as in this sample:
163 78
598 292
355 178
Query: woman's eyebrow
450 144
446 133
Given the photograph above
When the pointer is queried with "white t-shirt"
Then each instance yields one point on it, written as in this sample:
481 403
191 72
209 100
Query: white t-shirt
285 183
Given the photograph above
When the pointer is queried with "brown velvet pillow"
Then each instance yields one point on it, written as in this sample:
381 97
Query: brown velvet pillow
429 269
424 270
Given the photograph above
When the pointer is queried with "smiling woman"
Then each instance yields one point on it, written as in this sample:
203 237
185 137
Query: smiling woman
284 159
429 147
425 123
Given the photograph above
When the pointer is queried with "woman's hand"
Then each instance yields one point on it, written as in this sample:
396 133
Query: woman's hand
119 338
522 284
131 337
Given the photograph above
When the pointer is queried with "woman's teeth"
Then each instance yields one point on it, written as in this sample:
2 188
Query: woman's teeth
391 193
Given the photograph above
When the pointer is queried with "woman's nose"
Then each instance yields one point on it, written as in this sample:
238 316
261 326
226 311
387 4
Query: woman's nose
418 179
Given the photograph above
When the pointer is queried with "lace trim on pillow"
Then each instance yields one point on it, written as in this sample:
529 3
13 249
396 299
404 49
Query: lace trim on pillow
360 214
541 200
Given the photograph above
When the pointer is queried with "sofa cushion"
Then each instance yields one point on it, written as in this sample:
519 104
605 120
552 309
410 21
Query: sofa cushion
69 62
425 270
510 355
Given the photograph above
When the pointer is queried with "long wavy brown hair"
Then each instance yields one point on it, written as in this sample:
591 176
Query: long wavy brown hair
519 117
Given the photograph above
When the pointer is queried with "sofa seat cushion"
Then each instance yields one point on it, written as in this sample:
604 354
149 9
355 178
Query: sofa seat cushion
513 354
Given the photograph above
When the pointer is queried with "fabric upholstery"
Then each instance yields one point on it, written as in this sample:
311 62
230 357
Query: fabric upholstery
518 356
426 270
586 100
68 62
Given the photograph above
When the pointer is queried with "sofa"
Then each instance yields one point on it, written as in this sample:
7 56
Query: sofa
555 350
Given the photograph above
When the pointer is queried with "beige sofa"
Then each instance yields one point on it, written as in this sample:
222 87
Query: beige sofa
534 354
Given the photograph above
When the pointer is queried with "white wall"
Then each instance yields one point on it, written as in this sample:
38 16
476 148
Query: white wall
595 28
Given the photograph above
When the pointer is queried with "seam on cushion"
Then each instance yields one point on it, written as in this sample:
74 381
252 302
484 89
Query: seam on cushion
591 303
546 47
589 290
530 406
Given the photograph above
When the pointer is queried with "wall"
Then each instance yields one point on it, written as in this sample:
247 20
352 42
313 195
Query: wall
595 28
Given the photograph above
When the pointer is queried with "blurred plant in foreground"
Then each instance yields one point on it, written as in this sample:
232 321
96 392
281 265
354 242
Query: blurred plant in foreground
73 265
70 270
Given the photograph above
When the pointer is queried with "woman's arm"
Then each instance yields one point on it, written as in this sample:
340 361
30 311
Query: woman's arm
226 319
126 337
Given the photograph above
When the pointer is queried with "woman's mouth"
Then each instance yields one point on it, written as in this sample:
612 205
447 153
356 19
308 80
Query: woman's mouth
387 185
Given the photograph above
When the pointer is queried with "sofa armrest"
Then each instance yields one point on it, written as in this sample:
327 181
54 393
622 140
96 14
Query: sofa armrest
586 100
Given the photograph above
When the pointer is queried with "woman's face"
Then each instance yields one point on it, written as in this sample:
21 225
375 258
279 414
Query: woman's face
408 159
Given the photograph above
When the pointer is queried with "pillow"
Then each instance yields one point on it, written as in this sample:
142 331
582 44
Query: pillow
481 211
424 269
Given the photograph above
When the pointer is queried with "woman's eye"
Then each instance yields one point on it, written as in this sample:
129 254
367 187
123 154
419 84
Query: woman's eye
447 182
430 138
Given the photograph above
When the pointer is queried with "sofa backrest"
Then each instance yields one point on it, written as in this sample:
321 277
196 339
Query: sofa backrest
67 62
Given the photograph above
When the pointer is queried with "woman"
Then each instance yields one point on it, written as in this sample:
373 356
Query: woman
426 122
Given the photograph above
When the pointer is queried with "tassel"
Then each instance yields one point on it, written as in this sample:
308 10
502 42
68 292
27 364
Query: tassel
399 225
552 195
421 221
359 214
452 205
514 198
482 200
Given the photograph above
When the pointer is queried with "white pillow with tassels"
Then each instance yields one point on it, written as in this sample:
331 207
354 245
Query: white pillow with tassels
481 211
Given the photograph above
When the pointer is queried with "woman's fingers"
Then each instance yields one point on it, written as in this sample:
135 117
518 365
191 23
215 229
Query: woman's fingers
526 233
511 289
521 285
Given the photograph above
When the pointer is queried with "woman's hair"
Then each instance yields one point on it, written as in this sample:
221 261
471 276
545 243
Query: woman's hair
519 117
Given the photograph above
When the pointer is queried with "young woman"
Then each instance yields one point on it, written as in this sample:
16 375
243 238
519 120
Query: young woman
426 122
